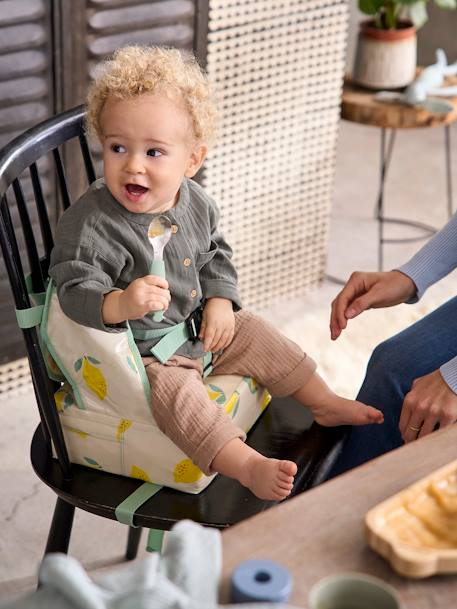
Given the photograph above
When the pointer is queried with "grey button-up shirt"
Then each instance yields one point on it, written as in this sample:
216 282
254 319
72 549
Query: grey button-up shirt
100 246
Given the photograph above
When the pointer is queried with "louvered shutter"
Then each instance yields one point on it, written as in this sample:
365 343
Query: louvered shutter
25 99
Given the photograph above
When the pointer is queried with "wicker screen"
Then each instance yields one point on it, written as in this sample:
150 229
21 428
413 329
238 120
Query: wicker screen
278 67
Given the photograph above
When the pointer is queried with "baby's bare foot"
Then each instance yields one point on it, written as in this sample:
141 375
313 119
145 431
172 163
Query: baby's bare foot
340 411
269 478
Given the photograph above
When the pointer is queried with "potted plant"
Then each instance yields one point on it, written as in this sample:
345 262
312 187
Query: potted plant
386 48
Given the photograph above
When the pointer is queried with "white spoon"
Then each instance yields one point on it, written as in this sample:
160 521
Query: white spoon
159 233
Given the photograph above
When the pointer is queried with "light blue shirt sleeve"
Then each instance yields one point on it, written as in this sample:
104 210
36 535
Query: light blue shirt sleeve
436 259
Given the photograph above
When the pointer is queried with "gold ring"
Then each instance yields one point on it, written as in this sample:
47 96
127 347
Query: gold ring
412 428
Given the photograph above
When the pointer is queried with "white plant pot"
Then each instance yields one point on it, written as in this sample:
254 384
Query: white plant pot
385 59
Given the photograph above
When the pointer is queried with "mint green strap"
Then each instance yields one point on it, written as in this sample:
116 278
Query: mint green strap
154 333
28 318
157 268
125 511
170 343
155 540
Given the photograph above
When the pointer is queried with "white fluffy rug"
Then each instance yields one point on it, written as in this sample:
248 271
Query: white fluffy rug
342 363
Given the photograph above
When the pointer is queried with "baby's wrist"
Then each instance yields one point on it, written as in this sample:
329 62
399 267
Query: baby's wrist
113 308
220 300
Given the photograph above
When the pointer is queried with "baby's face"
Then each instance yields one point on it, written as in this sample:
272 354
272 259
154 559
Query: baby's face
148 148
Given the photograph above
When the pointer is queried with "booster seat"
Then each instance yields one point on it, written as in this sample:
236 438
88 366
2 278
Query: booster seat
105 409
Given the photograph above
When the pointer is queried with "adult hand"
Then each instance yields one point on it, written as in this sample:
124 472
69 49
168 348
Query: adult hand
368 291
429 402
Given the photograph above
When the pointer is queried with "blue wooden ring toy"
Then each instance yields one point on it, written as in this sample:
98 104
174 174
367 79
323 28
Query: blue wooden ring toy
260 580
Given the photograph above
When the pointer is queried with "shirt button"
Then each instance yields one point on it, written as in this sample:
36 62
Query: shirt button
193 293
174 228
187 262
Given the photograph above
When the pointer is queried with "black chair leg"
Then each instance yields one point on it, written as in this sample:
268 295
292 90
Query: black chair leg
60 531
133 542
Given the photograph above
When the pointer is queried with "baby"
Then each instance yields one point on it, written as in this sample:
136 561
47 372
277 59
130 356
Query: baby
153 113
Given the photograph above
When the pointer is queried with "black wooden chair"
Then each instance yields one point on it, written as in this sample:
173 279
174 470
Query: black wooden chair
285 430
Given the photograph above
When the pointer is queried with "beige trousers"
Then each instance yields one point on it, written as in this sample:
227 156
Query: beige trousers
180 402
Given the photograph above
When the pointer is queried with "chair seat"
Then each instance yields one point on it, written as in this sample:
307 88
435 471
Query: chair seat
285 430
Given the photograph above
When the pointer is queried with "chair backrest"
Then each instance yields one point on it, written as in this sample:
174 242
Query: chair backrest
26 227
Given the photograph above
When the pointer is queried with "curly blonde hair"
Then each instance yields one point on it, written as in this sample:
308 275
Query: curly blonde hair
134 70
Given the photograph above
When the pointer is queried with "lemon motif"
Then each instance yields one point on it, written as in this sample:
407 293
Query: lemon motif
122 428
266 399
81 434
185 471
92 375
231 406
251 383
59 397
215 393
137 472
63 399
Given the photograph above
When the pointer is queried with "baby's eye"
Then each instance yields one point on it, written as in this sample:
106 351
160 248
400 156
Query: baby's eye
117 148
154 152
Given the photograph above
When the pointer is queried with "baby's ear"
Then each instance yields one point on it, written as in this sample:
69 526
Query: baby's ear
196 159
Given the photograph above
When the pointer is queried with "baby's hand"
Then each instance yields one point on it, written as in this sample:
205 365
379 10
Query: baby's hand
146 294
218 324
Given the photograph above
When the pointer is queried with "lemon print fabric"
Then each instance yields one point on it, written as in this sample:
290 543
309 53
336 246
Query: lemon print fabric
140 474
232 404
131 364
82 434
122 428
92 463
186 472
93 377
251 383
63 399
215 394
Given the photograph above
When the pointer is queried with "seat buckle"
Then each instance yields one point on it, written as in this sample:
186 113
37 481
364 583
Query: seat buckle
193 324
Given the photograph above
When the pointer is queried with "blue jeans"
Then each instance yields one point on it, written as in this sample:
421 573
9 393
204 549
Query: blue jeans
393 366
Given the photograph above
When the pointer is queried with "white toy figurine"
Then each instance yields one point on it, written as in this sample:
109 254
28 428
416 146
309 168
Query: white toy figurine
427 83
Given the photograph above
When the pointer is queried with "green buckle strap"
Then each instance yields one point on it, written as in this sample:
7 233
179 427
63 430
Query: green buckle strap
172 339
28 318
155 333
125 512
170 343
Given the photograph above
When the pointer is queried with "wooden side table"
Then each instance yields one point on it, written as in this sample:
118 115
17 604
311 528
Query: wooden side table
359 106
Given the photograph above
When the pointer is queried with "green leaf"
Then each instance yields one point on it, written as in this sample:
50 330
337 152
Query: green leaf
418 13
446 4
93 360
369 7
68 401
78 364
92 462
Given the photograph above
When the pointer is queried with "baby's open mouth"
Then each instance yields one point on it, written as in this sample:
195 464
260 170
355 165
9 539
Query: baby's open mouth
135 189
